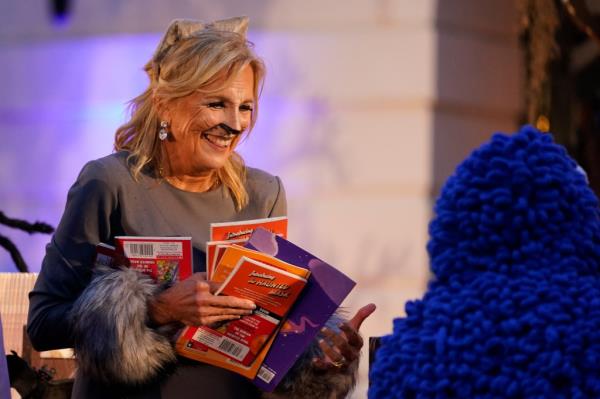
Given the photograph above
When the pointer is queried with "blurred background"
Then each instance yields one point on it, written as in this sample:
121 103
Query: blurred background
368 107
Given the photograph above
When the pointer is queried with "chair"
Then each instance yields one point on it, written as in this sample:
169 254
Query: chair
14 305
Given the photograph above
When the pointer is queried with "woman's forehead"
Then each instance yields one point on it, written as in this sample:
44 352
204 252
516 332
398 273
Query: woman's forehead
244 80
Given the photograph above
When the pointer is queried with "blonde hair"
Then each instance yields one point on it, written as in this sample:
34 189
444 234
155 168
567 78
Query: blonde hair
187 66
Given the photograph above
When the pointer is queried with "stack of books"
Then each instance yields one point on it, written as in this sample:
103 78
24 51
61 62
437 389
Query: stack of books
294 291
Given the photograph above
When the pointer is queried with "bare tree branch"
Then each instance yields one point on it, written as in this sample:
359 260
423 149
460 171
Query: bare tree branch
37 227
7 244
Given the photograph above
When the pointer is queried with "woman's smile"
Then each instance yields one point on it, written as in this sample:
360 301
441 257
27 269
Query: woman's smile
218 141
218 137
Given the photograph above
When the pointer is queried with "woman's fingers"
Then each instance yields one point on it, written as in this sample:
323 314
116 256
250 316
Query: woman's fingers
230 302
340 344
204 297
332 355
214 287
352 336
207 315
234 302
361 315
342 348
191 301
323 364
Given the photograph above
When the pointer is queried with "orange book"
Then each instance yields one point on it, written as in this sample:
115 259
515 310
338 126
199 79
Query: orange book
243 229
273 290
216 359
233 253
214 251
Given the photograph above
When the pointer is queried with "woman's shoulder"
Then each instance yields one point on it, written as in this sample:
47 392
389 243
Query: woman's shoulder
266 193
110 167
258 180
112 162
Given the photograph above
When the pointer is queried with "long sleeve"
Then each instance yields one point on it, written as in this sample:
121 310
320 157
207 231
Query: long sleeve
66 268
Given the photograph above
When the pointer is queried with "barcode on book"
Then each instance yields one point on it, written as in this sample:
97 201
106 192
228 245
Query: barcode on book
221 343
265 374
139 250
233 349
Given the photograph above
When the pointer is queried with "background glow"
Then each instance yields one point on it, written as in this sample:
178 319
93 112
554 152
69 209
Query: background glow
80 88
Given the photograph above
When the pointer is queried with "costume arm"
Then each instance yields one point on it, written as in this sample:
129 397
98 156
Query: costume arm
66 268
305 380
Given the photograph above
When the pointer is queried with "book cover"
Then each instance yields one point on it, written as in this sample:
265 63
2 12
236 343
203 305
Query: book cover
241 230
214 251
325 290
107 255
233 253
216 359
165 259
273 290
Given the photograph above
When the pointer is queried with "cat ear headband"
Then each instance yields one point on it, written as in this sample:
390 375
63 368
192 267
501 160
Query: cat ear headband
181 29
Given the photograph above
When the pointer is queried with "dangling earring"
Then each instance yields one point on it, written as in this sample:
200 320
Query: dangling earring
163 133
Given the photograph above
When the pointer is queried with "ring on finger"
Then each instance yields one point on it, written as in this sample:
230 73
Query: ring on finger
338 363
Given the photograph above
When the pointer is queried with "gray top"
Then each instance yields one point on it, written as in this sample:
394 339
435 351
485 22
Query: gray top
106 202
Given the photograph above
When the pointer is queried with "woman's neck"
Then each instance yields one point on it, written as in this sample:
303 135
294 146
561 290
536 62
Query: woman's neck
193 183
182 176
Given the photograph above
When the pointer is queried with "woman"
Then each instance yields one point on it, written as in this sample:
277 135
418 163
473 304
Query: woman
174 172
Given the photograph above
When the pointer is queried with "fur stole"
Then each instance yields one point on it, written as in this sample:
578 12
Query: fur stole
113 342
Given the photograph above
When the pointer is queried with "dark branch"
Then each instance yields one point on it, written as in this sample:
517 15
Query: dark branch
14 254
582 18
37 227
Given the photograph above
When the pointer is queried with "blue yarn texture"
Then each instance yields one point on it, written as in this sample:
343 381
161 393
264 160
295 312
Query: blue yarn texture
513 306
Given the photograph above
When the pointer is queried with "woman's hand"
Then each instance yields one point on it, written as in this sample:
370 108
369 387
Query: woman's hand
191 302
343 348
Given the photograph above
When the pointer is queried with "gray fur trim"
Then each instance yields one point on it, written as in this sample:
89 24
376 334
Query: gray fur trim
306 381
113 343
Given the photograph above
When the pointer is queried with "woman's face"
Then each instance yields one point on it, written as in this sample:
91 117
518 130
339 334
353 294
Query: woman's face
206 127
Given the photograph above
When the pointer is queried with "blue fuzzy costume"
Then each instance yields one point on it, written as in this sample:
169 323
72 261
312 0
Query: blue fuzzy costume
513 308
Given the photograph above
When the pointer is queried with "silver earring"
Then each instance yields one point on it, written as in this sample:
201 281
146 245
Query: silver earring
163 132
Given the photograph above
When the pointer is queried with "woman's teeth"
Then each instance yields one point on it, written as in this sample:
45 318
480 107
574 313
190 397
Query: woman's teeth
218 140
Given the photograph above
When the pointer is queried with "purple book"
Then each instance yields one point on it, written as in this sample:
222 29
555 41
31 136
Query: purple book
327 287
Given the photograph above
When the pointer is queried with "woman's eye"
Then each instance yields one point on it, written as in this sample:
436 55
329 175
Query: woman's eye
218 104
247 108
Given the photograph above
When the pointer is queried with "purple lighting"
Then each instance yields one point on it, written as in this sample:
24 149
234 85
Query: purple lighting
62 105
65 99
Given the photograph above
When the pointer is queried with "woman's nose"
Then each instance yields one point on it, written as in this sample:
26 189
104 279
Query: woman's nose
234 120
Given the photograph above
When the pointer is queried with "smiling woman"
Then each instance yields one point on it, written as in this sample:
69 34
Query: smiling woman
175 171
205 128
202 94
